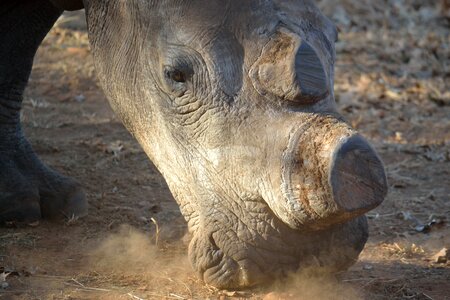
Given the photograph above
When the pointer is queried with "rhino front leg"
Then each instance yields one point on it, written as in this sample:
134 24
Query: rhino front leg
29 190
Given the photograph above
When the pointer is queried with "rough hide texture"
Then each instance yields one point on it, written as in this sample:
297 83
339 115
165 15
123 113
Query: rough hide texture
233 102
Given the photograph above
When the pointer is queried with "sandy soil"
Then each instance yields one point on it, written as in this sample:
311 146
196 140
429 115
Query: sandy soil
392 80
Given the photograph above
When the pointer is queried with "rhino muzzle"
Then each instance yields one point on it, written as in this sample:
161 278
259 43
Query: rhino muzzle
330 175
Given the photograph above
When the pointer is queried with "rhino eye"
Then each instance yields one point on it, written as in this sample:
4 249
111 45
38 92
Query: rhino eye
176 75
177 79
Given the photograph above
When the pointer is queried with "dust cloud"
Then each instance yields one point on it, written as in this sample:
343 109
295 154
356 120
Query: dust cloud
308 285
130 249
130 258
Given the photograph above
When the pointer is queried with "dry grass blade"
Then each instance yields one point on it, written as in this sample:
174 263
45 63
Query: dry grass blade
177 296
428 297
157 231
135 297
83 287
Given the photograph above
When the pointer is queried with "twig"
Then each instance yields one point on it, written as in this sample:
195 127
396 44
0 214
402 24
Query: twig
355 279
427 296
400 289
159 296
369 282
381 280
187 287
79 284
157 231
135 297
87 288
19 291
51 276
176 296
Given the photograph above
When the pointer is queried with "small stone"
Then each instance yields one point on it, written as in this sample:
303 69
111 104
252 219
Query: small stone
442 256
235 294
80 98
367 267
143 219
4 285
34 224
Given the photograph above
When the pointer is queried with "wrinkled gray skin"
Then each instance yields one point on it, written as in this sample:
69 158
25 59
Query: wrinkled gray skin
233 102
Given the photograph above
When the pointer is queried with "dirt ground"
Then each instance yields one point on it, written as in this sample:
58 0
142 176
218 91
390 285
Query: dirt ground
392 83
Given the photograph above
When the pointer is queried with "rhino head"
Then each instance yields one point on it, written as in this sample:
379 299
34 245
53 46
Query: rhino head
233 102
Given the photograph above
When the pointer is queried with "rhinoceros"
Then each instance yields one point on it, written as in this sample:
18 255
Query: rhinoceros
233 102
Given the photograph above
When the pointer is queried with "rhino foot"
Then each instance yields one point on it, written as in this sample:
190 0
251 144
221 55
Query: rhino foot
29 190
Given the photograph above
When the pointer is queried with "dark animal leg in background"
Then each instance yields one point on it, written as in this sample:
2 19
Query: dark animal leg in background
29 190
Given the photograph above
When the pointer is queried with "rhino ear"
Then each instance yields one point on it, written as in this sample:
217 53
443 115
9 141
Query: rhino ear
68 4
